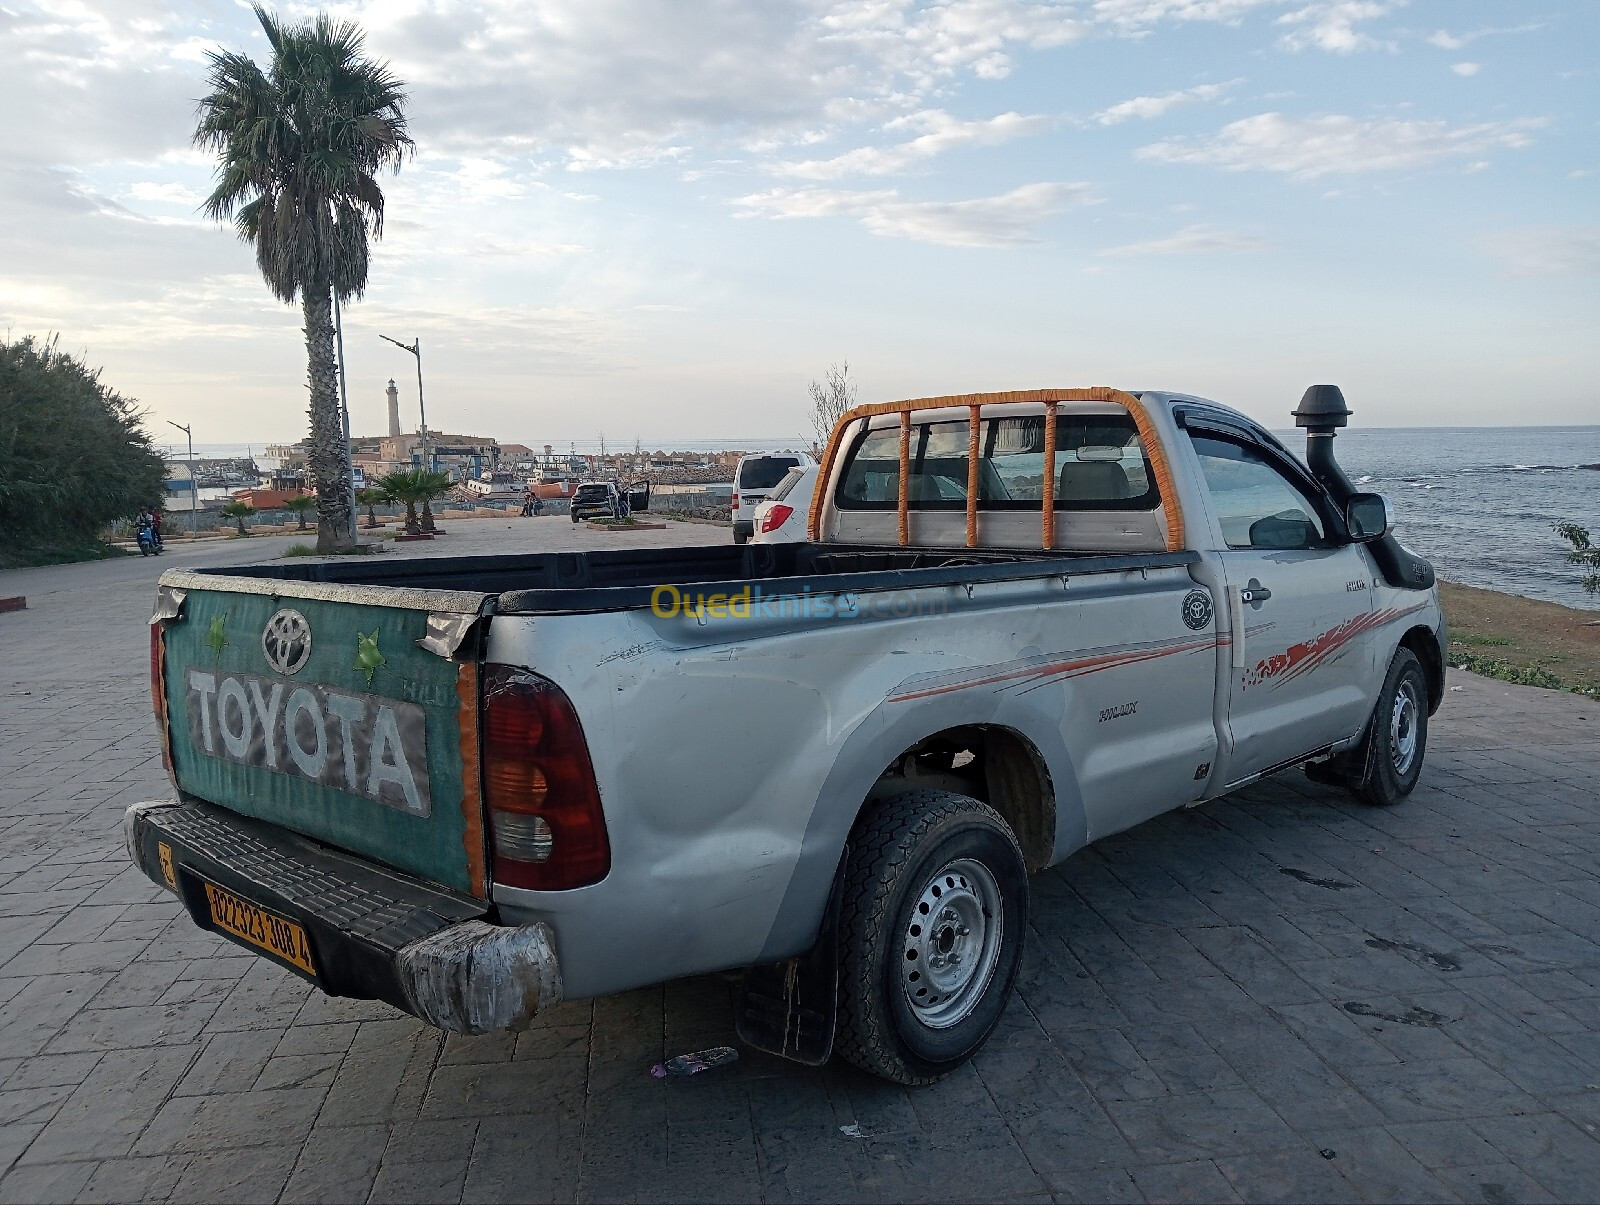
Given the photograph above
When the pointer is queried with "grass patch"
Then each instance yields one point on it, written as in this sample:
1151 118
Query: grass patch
59 552
301 548
1522 640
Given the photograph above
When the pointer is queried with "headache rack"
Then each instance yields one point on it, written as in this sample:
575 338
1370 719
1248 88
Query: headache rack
974 403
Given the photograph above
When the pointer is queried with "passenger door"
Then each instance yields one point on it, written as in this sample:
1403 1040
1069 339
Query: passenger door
1300 609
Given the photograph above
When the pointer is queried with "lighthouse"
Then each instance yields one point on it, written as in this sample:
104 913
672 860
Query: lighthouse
394 409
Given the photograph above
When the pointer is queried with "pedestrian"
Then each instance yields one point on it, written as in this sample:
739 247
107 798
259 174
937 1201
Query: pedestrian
529 504
538 505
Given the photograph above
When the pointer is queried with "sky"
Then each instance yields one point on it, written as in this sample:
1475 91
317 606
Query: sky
660 220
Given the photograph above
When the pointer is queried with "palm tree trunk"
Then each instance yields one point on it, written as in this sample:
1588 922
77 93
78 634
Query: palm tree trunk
328 454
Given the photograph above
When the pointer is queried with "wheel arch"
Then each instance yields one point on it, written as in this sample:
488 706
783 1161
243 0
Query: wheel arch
1006 771
1425 644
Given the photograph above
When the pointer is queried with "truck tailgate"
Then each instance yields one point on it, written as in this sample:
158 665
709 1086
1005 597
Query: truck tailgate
345 713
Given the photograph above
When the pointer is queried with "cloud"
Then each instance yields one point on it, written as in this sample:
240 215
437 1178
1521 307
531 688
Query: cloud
1547 250
1007 220
1144 107
1445 40
1331 25
1192 240
1466 69
169 192
1321 146
941 132
1141 15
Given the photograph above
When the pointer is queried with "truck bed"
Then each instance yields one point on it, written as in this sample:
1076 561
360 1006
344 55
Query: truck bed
623 579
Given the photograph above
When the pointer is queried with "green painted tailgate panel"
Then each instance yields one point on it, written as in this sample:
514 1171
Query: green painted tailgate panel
354 712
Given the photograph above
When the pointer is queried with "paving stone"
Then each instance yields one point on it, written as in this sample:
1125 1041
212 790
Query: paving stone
337 1164
244 1176
113 1105
146 1179
1199 1180
44 1182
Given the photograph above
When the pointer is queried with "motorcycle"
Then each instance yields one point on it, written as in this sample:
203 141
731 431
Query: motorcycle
149 542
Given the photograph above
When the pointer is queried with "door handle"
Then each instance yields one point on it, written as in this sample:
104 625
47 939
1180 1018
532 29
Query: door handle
1255 593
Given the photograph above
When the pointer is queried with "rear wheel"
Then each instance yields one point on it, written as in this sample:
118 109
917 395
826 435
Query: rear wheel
930 934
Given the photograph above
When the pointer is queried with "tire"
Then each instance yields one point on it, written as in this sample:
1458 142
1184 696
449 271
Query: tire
1397 736
574 516
927 854
739 537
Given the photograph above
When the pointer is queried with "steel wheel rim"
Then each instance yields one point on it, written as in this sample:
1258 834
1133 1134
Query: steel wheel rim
1403 728
950 944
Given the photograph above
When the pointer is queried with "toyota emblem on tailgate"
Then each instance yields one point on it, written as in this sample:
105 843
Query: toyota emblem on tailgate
286 641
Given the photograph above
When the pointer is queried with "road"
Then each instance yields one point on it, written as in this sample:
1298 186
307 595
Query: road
1281 995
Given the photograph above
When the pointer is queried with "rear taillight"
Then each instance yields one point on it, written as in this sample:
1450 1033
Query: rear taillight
736 500
777 515
546 826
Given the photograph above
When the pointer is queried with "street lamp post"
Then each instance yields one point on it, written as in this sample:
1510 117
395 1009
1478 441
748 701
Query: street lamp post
415 348
194 487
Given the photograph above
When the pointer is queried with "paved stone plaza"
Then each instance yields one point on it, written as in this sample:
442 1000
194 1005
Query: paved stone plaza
1280 996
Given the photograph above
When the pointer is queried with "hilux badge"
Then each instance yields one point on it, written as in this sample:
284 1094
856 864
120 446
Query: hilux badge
286 641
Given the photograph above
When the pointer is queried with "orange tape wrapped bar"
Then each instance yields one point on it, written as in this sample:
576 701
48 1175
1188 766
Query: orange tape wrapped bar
1099 393
1048 505
905 478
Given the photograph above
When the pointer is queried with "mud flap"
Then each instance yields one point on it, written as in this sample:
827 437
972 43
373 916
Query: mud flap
791 1008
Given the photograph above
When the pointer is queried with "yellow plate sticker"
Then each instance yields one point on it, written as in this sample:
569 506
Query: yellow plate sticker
281 938
167 872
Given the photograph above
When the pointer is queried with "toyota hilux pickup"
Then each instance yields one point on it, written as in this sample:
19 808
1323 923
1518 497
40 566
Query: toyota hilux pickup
473 787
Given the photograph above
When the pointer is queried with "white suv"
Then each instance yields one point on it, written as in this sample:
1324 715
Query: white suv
753 480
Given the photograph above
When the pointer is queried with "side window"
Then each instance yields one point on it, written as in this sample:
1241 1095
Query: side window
1258 506
1100 465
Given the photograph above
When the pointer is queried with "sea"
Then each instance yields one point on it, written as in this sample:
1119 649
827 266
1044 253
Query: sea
1479 502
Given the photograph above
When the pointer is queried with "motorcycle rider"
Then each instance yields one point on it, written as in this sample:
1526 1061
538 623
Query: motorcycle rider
148 524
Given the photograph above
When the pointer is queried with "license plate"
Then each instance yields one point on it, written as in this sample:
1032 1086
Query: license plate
257 927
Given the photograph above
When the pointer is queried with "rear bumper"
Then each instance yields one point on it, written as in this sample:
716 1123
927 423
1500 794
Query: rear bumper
373 934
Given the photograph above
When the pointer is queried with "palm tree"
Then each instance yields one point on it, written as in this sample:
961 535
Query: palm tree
300 505
374 495
402 486
238 511
431 485
300 147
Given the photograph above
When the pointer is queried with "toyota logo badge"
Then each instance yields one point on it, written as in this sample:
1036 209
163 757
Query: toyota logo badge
286 641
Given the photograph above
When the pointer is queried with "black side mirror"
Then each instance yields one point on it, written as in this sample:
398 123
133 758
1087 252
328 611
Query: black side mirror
1368 517
1286 532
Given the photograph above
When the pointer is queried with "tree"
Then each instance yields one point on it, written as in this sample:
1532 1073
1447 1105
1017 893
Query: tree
301 145
300 505
431 485
238 510
830 398
74 456
415 487
374 495
401 486
1583 554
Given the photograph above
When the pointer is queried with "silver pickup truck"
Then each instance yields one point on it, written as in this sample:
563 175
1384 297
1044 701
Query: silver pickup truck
473 787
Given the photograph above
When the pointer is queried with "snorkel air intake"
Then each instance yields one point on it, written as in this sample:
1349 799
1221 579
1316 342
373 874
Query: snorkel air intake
1322 411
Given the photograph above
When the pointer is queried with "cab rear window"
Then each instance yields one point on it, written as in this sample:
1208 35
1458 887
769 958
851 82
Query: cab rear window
764 472
1100 465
